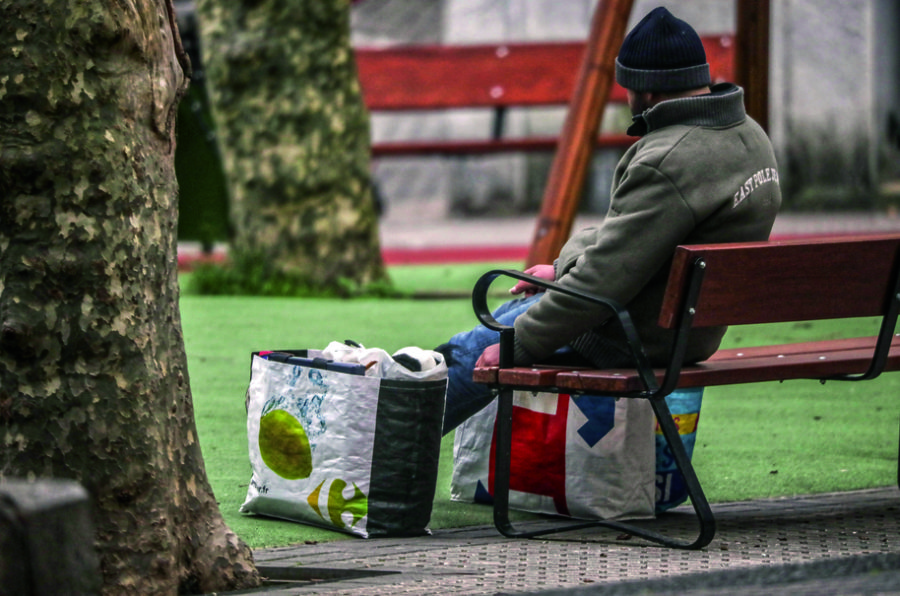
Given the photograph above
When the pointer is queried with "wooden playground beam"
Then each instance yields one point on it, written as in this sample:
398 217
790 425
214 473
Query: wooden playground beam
596 77
567 173
751 57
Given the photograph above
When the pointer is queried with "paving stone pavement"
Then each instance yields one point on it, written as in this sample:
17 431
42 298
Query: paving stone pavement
839 543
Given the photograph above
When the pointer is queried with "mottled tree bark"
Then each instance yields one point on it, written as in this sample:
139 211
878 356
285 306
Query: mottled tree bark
93 374
295 137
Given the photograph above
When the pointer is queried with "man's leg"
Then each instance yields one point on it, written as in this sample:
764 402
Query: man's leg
465 397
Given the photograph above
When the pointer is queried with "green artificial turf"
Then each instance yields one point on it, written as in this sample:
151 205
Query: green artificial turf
758 440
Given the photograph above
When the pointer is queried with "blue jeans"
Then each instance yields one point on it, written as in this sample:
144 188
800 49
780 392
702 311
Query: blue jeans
464 396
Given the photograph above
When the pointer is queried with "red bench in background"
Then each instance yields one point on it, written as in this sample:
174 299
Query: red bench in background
500 76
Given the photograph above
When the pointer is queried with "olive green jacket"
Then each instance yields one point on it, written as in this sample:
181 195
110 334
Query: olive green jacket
703 172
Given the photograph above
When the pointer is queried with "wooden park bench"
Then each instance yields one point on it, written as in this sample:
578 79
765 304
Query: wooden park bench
711 285
497 77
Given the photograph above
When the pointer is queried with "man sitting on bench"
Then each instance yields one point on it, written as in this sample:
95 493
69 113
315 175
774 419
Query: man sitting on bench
703 172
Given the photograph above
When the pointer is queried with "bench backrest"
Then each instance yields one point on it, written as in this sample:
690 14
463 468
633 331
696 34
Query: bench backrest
770 282
523 74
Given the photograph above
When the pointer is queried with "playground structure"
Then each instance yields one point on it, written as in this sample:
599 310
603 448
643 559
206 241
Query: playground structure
580 75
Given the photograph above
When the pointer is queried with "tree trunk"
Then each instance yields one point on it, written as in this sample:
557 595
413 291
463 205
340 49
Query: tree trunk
93 374
295 138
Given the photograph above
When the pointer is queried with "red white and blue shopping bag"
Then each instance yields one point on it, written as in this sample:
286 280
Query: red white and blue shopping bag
583 456
587 457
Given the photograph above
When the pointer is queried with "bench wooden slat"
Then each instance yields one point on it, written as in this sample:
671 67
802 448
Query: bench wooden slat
726 367
793 275
481 147
536 375
517 74
486 375
443 77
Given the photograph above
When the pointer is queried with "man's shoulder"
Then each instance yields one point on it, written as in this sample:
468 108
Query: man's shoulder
652 149
680 145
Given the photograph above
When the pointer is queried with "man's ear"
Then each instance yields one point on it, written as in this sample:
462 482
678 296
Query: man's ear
639 101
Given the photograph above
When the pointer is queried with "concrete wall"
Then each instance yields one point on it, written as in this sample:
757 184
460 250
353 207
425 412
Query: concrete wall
886 43
822 86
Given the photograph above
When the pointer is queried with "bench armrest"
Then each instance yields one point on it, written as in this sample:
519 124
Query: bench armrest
507 333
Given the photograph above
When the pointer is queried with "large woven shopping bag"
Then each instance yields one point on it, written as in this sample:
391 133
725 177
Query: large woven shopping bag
587 457
584 456
334 447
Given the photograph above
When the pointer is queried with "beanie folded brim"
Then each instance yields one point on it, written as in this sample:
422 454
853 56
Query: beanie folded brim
675 79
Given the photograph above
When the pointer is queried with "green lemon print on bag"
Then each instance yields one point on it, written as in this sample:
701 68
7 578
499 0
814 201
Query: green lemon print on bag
284 446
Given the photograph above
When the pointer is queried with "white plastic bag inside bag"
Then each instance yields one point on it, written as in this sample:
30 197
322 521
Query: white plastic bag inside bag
402 365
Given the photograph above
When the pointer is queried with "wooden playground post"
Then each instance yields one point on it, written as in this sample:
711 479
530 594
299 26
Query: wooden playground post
751 57
576 144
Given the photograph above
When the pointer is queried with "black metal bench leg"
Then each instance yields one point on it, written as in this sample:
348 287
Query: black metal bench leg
502 463
683 463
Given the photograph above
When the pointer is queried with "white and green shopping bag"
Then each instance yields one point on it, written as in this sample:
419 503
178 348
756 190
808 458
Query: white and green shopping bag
343 450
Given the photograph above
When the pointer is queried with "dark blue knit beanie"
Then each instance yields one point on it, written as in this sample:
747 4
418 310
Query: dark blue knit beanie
662 54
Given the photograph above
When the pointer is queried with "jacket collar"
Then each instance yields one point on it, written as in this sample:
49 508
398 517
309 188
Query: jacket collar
723 106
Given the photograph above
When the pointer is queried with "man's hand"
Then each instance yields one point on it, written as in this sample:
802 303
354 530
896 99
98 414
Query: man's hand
529 289
490 356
